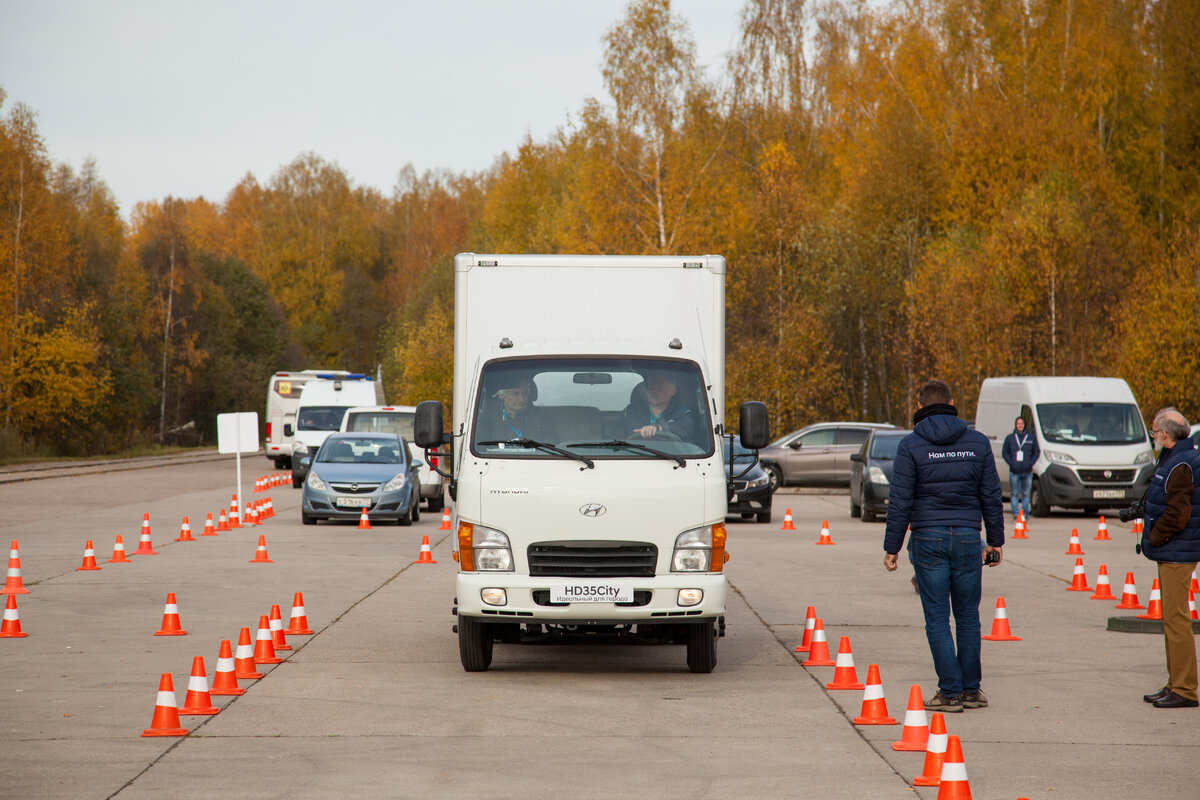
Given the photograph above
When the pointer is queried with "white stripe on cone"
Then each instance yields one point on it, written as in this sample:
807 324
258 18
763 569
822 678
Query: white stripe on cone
11 615
171 608
873 691
224 665
245 651
937 743
166 700
198 683
298 611
953 771
845 660
915 718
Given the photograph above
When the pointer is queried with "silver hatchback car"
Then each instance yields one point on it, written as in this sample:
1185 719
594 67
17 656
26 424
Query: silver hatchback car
816 455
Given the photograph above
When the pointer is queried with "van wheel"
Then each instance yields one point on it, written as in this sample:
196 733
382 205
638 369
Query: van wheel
1037 501
702 647
474 644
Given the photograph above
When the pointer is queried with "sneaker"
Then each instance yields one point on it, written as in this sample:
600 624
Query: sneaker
975 699
948 705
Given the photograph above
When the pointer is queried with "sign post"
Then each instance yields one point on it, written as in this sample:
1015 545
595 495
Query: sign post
238 433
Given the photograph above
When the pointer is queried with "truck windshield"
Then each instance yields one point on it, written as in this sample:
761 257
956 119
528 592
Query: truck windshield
320 418
1091 423
589 405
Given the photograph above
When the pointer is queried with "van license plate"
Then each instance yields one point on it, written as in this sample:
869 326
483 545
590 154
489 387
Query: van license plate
592 592
1108 494
354 502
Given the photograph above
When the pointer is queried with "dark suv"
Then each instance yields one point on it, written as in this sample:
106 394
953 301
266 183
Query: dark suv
871 473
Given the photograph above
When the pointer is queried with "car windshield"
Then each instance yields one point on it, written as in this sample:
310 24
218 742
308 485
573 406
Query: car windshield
884 447
345 450
740 453
1091 423
320 418
597 407
397 422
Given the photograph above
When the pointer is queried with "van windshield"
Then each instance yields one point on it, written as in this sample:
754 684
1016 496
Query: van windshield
1091 423
320 418
598 407
398 422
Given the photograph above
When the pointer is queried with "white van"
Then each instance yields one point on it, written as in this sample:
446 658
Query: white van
322 405
1096 453
399 420
283 396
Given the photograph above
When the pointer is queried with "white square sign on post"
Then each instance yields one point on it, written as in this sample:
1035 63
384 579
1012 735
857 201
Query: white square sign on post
238 433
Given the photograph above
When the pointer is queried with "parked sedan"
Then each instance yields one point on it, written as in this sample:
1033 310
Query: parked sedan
816 455
353 471
750 491
871 473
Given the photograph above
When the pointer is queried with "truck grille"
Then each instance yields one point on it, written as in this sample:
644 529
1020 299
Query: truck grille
593 559
1114 475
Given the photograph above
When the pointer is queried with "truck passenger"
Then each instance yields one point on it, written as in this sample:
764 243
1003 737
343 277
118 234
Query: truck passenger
514 417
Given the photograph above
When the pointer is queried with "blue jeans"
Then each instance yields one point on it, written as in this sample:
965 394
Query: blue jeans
949 565
1020 484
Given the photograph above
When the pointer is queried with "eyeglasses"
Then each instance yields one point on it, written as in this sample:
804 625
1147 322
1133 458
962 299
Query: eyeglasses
1154 432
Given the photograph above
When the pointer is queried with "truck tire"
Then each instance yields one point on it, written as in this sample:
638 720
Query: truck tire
701 647
1037 501
475 644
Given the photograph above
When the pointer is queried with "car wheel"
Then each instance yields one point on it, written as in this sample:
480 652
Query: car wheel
764 516
474 644
702 647
416 508
407 519
776 476
868 516
297 482
1037 501
855 508
308 519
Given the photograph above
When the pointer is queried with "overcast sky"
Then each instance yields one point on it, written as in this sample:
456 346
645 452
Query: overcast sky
184 99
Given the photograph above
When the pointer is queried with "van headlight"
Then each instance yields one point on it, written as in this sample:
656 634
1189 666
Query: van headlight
491 549
700 550
1057 457
395 483
876 476
315 482
1145 457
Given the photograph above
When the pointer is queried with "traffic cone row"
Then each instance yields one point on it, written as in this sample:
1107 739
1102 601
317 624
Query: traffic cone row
825 538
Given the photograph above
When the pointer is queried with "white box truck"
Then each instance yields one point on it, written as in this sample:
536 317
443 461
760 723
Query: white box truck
319 413
1095 452
589 489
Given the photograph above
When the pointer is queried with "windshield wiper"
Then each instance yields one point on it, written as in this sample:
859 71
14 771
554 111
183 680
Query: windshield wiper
634 446
543 446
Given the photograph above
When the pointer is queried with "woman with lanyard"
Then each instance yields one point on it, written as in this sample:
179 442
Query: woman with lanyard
1020 452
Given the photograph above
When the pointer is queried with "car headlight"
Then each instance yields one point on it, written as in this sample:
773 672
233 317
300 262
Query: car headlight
700 550
1145 457
315 482
483 549
876 476
757 482
396 482
1057 457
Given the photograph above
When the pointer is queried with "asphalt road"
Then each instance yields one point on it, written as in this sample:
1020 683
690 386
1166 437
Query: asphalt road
375 703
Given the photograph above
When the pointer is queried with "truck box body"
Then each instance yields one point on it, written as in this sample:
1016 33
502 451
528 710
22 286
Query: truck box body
591 342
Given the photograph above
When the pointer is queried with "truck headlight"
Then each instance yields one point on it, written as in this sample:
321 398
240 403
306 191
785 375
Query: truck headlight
1057 457
395 483
1145 457
876 476
483 549
700 550
315 482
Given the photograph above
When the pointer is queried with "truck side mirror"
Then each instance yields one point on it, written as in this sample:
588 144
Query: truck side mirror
288 430
427 425
754 426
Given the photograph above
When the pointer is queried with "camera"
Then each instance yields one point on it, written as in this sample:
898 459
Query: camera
1135 511
991 557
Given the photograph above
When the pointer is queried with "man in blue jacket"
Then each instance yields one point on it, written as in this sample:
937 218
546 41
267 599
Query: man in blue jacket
1172 538
944 486
1020 451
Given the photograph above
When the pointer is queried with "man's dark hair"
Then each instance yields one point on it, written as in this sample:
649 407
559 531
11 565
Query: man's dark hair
934 392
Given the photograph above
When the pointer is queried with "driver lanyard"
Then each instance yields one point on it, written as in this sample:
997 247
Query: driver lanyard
511 427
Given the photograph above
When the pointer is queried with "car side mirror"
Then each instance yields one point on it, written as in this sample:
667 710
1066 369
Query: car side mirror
288 430
418 464
795 444
856 457
306 461
754 425
427 425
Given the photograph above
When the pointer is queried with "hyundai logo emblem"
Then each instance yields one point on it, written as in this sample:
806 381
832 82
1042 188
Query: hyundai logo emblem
592 510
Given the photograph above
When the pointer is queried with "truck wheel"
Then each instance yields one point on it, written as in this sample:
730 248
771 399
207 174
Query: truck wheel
701 647
475 644
1037 501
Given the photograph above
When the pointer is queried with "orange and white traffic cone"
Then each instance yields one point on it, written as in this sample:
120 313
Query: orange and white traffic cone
818 649
1154 609
270 507
209 529
1073 549
298 626
222 522
276 622
426 556
13 584
250 518
445 526
197 702
874 706
844 674
1000 630
1129 598
1102 530
1195 587
244 667
235 520
954 785
118 556
364 522
1019 527
225 679
11 627
1103 587
935 752
915 734
166 711
145 546
1192 604
264 647
185 531
788 525
170 620
260 552
89 558
1079 578
810 619
825 538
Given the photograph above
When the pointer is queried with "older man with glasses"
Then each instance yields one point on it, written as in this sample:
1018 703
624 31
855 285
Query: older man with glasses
1172 538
